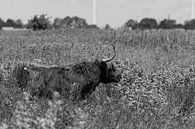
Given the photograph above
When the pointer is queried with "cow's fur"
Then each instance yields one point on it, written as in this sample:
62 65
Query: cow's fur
76 80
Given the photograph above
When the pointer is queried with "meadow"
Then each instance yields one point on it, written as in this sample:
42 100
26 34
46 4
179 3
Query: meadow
157 70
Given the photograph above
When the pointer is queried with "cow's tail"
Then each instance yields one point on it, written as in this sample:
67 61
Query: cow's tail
21 75
22 71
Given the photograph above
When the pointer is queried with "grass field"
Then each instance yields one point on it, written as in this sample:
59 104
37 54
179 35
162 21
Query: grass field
157 70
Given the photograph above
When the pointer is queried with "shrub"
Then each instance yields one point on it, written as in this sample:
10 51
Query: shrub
39 22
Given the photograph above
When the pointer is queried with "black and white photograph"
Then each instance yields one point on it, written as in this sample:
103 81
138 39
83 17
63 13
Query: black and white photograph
97 64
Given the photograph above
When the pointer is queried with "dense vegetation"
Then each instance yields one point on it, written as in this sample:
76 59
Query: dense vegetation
43 22
157 68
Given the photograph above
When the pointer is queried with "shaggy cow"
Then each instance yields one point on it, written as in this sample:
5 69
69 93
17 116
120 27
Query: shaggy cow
76 80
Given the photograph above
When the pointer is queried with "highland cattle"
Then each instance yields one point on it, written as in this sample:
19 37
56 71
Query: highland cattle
76 80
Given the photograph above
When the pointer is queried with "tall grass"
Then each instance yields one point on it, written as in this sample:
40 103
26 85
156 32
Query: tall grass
157 68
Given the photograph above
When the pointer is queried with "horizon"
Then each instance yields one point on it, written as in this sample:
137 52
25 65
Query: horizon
112 12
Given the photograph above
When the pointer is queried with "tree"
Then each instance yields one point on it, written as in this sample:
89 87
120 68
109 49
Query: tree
18 24
57 23
78 22
41 22
133 24
92 26
2 23
189 24
148 23
9 23
82 23
179 26
167 24
107 27
70 22
12 23
67 21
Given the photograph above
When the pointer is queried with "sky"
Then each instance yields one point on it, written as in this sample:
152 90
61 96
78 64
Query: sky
112 12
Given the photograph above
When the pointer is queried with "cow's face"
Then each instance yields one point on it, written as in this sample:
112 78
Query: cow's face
109 73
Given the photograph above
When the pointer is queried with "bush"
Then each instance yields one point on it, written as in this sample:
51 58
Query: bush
39 22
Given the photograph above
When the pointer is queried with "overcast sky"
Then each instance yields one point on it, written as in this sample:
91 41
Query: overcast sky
113 12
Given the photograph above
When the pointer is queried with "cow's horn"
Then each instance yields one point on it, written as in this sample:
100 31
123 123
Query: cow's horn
111 58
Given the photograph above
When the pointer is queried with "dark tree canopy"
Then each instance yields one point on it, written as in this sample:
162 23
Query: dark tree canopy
92 27
189 24
148 23
151 23
70 22
40 22
57 23
9 22
1 23
18 24
133 24
107 27
167 24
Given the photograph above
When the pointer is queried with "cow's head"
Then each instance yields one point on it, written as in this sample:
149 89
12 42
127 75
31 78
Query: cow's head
109 72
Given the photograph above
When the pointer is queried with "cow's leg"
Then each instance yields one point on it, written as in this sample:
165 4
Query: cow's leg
87 90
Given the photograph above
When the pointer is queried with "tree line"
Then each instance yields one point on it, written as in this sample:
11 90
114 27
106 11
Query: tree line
42 22
11 23
151 23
